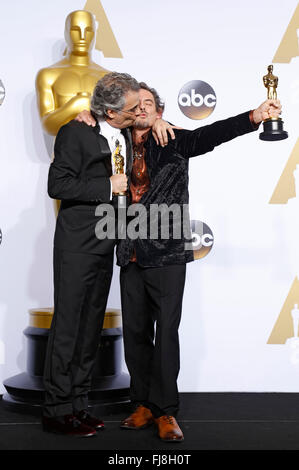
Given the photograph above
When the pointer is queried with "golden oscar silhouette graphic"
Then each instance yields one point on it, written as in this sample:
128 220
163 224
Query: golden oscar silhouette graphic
273 127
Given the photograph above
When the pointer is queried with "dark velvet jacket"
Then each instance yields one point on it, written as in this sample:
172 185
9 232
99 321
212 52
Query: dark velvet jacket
168 173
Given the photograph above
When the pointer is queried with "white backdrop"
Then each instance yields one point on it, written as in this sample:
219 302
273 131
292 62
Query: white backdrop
233 296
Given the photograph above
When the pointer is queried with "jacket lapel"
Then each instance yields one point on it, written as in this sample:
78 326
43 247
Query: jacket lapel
129 150
104 148
151 165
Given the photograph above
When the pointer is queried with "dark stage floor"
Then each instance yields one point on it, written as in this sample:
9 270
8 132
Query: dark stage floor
210 421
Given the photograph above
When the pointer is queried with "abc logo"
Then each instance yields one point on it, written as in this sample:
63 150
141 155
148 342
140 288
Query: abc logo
202 239
197 99
2 92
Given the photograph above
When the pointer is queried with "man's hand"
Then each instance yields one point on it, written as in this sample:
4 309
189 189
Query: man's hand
119 183
160 129
268 109
86 117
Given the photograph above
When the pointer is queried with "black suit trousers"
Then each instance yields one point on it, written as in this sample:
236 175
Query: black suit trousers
151 309
81 287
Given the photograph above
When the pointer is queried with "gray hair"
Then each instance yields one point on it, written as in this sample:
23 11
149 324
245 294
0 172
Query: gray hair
109 93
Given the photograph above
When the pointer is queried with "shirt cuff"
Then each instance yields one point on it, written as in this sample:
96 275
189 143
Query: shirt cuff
254 125
110 190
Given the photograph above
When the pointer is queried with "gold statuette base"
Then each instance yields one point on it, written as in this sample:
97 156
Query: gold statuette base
42 318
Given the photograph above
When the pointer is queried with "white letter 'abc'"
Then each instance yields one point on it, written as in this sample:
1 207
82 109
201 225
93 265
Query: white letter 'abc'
196 99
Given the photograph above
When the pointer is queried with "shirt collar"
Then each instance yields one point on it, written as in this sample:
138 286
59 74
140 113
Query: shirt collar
108 131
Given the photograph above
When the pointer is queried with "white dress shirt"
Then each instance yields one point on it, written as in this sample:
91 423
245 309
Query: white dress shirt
113 134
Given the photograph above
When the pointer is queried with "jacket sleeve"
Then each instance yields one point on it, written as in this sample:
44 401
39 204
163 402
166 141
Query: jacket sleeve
65 180
206 138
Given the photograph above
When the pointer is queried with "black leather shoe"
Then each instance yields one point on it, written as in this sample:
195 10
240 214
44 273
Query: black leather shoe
90 420
68 425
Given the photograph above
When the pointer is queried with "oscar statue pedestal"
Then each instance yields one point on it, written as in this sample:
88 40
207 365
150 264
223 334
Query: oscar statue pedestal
110 386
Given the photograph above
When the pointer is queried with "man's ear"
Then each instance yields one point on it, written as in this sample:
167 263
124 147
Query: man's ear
159 115
111 113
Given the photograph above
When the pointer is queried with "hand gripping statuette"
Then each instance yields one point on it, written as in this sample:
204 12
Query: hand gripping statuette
273 127
118 169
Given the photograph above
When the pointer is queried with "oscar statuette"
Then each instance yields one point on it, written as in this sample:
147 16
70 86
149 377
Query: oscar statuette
118 168
118 164
273 127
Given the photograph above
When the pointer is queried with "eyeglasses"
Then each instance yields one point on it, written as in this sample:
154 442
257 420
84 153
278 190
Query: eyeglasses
129 111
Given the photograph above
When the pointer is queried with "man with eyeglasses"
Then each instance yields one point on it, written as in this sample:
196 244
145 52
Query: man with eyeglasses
80 176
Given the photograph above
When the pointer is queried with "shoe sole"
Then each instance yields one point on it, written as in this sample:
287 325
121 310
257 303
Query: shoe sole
139 428
171 440
68 434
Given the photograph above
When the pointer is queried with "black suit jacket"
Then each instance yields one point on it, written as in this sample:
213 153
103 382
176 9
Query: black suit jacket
79 177
168 172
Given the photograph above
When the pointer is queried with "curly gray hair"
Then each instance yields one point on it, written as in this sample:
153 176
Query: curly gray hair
109 93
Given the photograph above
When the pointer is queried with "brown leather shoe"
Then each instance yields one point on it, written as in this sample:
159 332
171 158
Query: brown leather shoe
168 429
140 419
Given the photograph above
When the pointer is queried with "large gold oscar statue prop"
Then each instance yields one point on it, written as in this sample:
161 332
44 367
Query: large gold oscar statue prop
63 90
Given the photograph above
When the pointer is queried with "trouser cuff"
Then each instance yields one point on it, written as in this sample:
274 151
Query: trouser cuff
58 410
80 403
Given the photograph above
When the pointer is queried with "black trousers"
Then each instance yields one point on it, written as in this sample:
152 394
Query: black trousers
81 287
153 297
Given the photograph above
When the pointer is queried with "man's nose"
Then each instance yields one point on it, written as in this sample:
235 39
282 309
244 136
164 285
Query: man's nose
137 109
141 106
